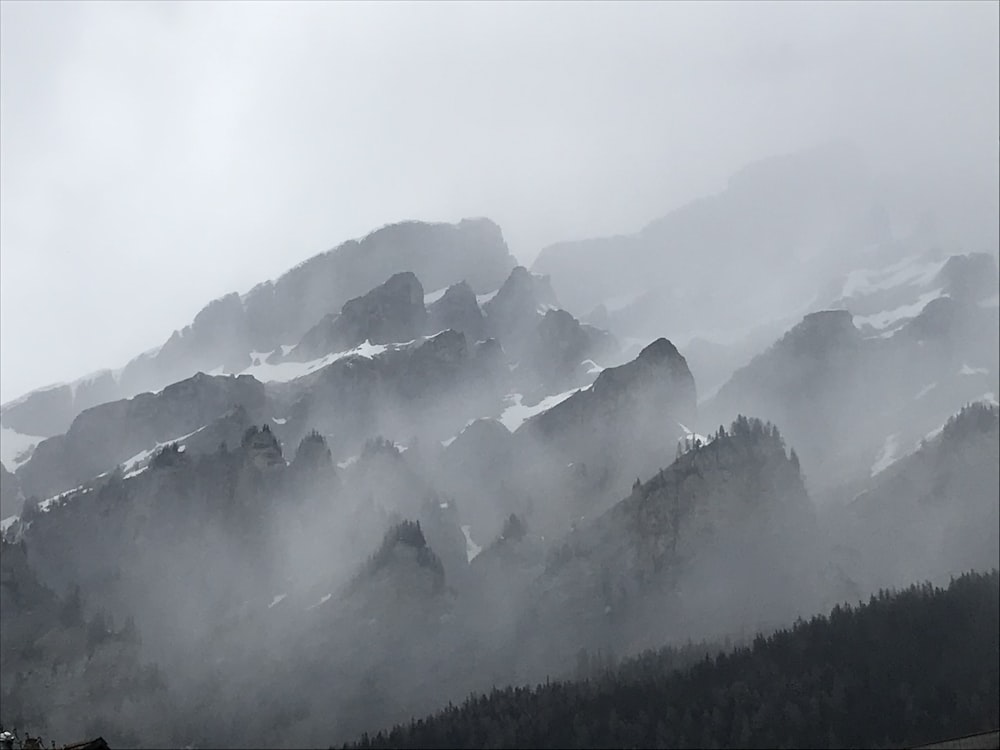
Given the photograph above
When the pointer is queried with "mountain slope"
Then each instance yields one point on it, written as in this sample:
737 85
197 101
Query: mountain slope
794 213
939 506
894 672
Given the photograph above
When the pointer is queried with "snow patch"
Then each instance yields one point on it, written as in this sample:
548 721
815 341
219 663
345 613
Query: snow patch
432 297
691 438
517 414
49 503
278 420
322 600
887 456
277 600
887 317
592 367
907 272
966 370
7 523
449 441
482 299
135 472
471 548
347 462
132 467
16 448
924 391
286 371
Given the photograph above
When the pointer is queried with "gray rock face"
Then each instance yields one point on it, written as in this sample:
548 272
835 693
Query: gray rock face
850 403
656 381
820 349
106 435
280 312
625 425
391 312
938 506
478 468
562 343
519 304
429 387
457 310
713 536
44 413
811 381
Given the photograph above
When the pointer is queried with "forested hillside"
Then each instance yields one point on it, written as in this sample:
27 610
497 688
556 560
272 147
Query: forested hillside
906 668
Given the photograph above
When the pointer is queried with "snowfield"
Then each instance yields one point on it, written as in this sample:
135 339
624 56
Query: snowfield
16 448
432 297
7 523
471 548
886 318
277 600
286 371
887 456
910 271
517 414
966 370
135 465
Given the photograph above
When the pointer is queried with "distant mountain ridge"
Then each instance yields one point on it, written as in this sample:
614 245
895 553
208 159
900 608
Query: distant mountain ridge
279 312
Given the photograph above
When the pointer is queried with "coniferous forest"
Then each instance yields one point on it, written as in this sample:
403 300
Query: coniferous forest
906 668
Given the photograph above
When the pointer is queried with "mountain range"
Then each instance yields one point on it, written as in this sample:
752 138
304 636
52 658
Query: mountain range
411 469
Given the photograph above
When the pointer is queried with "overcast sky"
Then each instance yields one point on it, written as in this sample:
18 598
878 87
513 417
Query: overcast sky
155 156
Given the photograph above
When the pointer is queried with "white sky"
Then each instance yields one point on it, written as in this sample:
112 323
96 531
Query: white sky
155 156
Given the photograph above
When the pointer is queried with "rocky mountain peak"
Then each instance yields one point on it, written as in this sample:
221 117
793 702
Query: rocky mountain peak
458 310
828 324
660 350
391 312
659 367
519 301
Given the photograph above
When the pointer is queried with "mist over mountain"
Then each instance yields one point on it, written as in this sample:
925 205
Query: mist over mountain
417 468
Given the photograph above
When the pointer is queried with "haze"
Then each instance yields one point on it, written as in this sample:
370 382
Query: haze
155 156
